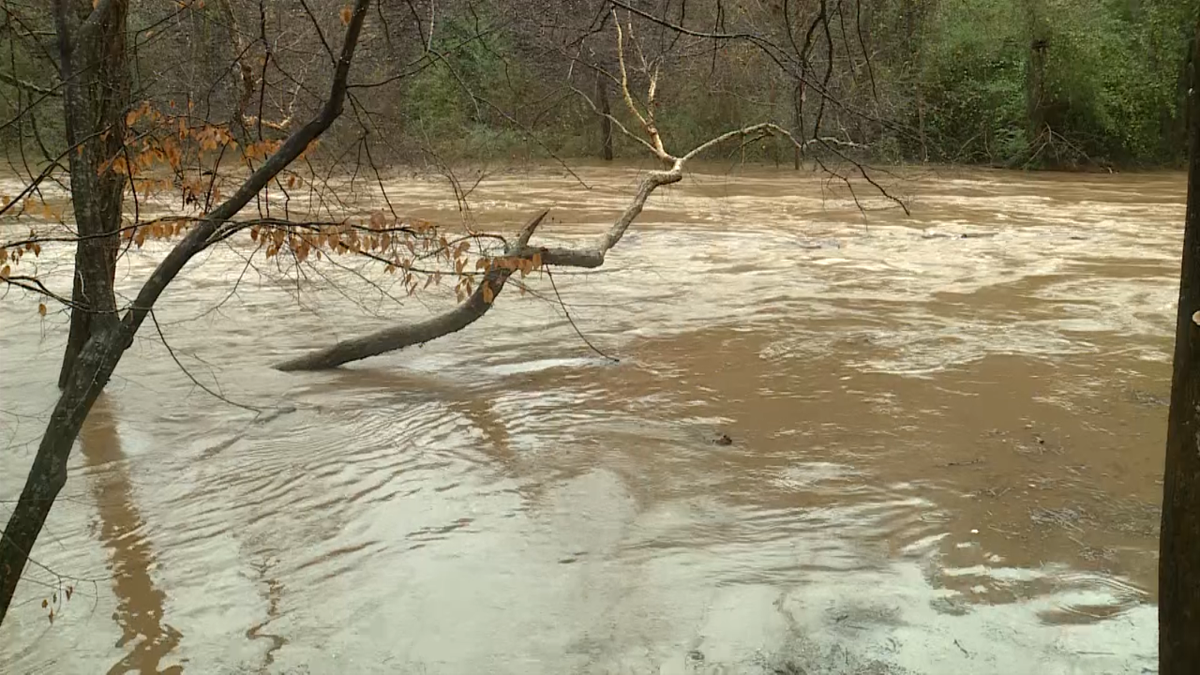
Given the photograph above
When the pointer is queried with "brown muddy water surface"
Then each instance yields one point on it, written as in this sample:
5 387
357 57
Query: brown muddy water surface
947 442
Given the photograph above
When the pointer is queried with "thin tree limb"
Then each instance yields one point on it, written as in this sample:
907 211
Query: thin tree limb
29 86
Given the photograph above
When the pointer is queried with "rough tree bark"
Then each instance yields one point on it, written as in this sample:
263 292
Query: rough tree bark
102 351
1179 554
95 77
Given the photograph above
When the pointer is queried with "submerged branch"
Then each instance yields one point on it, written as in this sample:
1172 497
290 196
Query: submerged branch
481 300
399 337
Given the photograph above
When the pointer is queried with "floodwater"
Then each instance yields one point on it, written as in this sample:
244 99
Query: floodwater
947 445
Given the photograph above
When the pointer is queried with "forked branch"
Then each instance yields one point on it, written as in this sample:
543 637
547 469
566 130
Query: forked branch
399 337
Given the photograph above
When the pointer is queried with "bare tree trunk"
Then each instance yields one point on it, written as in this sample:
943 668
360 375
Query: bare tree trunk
797 121
96 81
243 85
606 135
1179 554
921 119
913 19
1035 75
109 339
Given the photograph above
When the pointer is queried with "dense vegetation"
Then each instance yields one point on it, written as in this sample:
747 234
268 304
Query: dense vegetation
1050 83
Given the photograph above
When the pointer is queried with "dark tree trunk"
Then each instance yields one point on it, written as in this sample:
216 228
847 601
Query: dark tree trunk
606 136
1035 74
94 71
1179 555
48 474
1175 127
96 100
912 26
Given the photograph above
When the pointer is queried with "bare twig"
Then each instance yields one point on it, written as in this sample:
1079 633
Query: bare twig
191 377
567 313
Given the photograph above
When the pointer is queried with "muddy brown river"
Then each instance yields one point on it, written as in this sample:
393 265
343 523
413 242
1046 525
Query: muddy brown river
947 446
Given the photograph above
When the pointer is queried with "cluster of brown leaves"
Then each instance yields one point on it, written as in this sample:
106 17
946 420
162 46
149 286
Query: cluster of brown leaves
413 248
11 255
171 141
523 266
165 228
37 209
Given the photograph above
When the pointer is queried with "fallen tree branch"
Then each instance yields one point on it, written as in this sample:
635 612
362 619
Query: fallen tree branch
480 301
399 337
466 313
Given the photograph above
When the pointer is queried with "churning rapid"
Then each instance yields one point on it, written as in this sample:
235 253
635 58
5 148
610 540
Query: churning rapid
947 435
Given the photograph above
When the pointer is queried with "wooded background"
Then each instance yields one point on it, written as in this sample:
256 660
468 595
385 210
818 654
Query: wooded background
1045 83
